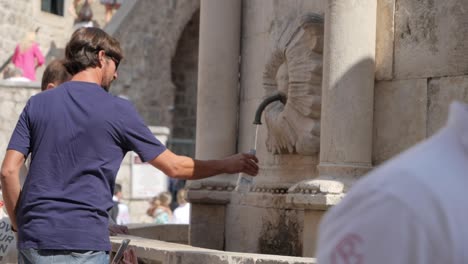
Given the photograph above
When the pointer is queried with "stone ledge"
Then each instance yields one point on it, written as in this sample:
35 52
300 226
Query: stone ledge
313 201
175 233
11 84
157 251
209 196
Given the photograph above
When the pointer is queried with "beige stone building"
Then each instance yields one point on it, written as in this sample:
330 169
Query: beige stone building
356 82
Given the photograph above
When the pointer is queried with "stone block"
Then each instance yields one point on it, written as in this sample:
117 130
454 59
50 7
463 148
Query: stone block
242 228
441 92
431 38
207 226
400 114
264 230
384 42
168 233
309 238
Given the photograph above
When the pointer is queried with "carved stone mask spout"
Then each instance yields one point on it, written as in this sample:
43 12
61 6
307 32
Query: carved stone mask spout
276 97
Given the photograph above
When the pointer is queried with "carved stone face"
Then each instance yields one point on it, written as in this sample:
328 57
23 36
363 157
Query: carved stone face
282 79
316 34
295 70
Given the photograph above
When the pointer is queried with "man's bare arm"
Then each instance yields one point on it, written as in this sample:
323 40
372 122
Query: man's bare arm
183 167
10 182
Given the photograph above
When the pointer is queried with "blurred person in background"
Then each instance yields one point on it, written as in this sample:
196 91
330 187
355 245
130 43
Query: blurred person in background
14 74
162 211
27 56
119 212
82 12
111 6
182 212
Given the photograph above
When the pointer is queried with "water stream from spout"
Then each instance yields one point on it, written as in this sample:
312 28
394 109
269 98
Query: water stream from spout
245 181
255 141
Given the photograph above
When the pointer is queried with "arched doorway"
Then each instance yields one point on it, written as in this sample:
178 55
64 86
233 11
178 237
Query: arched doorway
184 76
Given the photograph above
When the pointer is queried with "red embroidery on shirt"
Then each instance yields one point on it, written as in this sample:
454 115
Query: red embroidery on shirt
348 250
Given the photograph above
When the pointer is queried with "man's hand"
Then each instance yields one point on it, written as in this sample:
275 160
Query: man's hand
242 162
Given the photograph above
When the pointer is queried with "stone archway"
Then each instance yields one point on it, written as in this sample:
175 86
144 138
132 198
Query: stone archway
184 69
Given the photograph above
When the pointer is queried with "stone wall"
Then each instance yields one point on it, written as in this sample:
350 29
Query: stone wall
427 71
150 42
13 98
184 76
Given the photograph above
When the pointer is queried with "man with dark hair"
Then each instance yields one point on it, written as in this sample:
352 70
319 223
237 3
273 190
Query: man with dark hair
77 135
54 74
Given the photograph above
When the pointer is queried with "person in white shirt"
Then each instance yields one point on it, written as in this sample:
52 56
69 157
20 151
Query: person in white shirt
410 210
119 213
14 74
182 212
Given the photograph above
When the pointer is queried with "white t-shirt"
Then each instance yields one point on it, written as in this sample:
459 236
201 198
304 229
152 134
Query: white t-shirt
123 217
182 214
8 250
411 210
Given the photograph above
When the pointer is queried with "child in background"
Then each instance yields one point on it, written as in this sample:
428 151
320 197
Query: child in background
162 212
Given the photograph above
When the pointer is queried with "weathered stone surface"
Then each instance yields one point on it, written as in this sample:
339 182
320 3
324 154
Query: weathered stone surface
312 220
169 233
431 38
169 253
207 227
441 92
294 70
400 114
265 230
150 42
384 41
13 98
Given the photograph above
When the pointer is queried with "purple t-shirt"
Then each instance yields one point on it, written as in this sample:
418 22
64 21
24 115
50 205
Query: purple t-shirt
77 135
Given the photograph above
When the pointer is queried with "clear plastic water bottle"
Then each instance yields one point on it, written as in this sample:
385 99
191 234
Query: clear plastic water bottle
245 181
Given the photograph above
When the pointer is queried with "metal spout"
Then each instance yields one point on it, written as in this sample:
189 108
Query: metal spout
267 101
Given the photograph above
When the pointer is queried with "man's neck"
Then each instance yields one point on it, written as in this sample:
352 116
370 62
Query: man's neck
92 75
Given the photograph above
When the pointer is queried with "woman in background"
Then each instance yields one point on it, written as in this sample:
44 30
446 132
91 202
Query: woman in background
28 56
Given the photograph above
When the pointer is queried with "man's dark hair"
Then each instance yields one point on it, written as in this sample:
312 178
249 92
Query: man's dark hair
117 188
82 50
55 72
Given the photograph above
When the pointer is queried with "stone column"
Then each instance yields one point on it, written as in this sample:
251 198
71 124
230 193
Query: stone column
347 109
217 114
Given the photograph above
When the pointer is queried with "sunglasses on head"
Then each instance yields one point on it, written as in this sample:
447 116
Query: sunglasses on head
117 62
